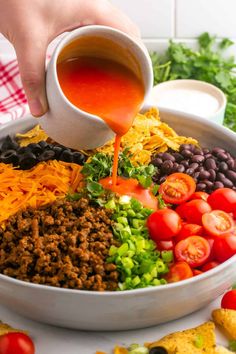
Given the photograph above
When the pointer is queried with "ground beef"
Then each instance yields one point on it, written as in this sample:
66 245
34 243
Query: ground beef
64 244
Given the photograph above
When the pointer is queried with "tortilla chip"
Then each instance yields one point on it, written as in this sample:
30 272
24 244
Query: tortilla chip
120 350
5 328
226 319
34 135
148 134
222 350
195 341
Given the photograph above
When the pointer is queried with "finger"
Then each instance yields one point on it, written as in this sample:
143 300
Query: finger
31 55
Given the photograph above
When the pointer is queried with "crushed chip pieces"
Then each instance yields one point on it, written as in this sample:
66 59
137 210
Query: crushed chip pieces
146 137
32 136
226 319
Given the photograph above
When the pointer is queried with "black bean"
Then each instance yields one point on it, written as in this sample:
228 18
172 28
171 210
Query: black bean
78 158
185 147
208 156
205 151
200 169
43 144
157 161
66 156
167 166
167 156
231 175
204 175
198 158
198 151
210 164
220 176
227 183
187 153
180 168
158 350
162 179
189 171
194 165
9 156
178 157
27 160
212 174
218 185
209 184
222 156
185 163
47 155
196 175
232 164
201 186
223 166
216 150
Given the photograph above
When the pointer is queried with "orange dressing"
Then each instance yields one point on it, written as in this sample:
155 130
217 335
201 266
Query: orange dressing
113 92
132 188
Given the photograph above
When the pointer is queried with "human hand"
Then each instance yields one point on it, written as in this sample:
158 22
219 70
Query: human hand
31 25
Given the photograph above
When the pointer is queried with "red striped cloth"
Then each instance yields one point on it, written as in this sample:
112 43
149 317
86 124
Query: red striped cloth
13 102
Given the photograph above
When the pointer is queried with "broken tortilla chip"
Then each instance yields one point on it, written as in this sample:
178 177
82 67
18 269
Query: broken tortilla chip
34 135
226 319
197 340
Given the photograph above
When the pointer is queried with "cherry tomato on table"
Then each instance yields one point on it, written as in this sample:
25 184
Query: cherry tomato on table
177 188
189 230
224 247
179 271
223 199
200 195
193 210
163 224
193 250
217 222
229 300
16 343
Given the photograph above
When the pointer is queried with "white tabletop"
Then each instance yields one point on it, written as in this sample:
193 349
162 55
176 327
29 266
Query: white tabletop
53 340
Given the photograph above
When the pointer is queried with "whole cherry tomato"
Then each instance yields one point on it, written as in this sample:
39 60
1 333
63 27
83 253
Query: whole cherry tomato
177 188
188 230
223 199
209 266
179 271
193 210
200 195
229 300
193 250
163 224
224 247
16 343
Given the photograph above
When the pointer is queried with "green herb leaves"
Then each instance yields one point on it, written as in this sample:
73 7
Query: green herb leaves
209 63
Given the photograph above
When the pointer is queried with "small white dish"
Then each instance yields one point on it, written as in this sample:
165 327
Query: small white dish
191 96
66 123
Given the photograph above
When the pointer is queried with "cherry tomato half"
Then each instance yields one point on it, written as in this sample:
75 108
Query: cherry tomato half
163 224
200 195
229 300
194 250
177 188
193 210
189 230
179 271
16 343
224 247
209 266
217 222
223 199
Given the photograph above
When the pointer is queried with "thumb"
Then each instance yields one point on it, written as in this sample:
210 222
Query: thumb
31 55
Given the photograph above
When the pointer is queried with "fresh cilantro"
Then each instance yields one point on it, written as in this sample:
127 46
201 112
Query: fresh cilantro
208 63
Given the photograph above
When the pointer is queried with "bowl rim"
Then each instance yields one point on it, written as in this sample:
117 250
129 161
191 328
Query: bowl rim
141 291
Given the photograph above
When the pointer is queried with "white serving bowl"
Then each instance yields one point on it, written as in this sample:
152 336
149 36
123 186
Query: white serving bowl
132 309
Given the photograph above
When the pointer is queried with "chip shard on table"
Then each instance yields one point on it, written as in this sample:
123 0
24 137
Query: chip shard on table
226 320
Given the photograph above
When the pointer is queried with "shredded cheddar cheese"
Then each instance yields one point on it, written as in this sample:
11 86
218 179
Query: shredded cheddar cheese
41 185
